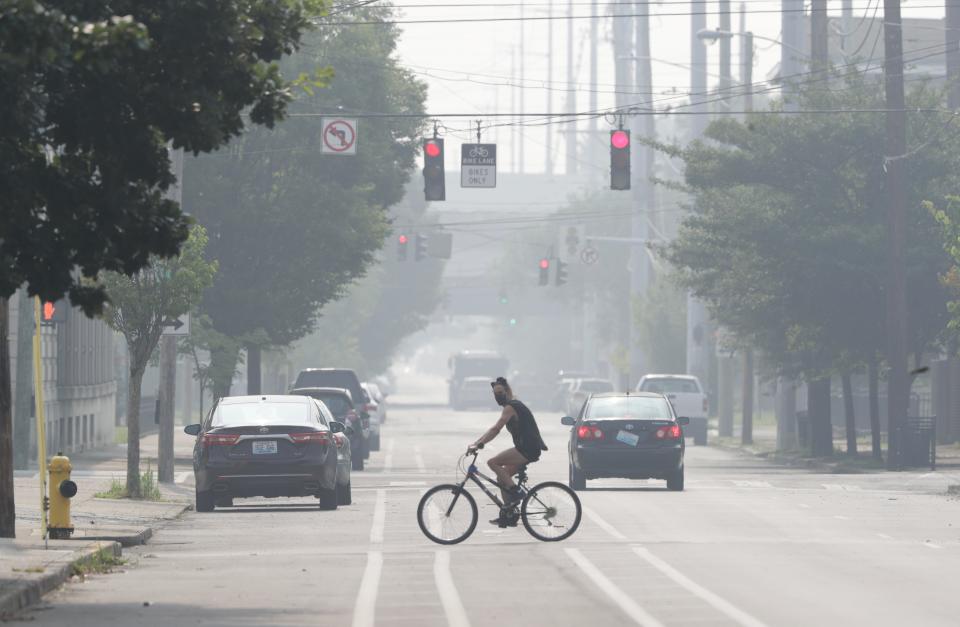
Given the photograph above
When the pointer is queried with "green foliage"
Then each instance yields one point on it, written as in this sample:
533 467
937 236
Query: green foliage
149 488
949 220
292 228
661 323
788 245
90 95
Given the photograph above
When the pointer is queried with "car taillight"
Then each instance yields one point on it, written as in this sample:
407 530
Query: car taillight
314 436
220 439
587 432
671 432
369 407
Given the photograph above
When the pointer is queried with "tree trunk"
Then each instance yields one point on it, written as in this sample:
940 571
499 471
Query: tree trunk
23 399
746 433
133 430
8 514
818 410
253 369
874 383
223 365
726 386
786 414
168 379
850 418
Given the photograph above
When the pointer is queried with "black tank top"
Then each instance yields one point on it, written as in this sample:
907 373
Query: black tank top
526 434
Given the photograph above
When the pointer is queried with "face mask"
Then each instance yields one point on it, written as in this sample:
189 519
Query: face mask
500 397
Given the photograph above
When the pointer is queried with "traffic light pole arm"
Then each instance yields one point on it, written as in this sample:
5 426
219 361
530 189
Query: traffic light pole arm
625 240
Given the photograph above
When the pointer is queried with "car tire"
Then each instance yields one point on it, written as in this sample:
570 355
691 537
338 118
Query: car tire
366 447
328 499
356 461
205 501
675 481
375 442
578 481
343 494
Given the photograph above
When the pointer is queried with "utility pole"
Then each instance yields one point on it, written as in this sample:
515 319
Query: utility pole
846 12
514 143
571 97
698 340
725 83
644 195
23 401
898 384
593 141
621 58
819 35
746 61
953 53
792 38
8 515
547 130
523 75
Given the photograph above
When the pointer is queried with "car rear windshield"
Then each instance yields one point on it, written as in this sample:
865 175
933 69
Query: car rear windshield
336 403
670 386
245 414
596 386
328 379
629 408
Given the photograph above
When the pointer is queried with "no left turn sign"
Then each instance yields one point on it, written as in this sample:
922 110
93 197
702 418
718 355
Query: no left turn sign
339 136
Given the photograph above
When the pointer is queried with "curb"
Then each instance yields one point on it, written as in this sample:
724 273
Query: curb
794 462
23 594
138 538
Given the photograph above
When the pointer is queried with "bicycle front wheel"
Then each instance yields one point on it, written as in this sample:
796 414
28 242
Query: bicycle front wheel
551 511
447 514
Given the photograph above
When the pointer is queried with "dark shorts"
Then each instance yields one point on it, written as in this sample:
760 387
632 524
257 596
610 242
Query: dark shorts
532 456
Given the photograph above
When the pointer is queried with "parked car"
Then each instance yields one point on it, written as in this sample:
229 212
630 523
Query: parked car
581 389
636 436
340 403
377 409
686 395
340 378
475 392
266 446
377 393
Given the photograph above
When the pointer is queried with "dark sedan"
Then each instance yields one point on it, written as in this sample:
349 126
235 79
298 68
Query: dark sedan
635 436
265 446
340 403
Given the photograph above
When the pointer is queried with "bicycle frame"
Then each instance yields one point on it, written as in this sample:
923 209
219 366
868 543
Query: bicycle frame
474 474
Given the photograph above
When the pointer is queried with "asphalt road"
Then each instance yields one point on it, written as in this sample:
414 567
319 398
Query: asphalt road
747 543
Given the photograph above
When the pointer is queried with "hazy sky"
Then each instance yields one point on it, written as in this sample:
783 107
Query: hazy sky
470 67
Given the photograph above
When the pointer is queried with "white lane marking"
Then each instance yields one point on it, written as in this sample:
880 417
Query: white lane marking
630 607
884 536
804 505
716 601
610 529
932 545
180 477
365 609
449 598
388 458
418 458
846 487
407 483
379 516
839 517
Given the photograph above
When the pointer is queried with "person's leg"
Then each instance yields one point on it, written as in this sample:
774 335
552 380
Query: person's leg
505 465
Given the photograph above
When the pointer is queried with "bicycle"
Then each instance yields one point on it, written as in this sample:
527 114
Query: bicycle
447 513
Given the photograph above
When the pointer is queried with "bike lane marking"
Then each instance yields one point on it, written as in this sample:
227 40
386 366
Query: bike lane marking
714 600
379 517
365 607
600 522
630 607
388 458
449 597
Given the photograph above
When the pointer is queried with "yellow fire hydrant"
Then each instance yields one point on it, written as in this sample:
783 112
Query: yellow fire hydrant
62 489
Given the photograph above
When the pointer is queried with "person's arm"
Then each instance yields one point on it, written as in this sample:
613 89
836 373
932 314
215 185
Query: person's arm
508 414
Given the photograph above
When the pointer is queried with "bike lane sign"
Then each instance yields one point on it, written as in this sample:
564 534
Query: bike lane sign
339 136
478 165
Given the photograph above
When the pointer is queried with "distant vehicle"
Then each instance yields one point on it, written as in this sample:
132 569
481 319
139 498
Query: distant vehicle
476 392
340 378
487 364
267 446
377 411
340 403
636 436
581 389
686 395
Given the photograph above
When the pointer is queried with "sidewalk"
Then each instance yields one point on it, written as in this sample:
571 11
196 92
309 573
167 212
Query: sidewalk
28 569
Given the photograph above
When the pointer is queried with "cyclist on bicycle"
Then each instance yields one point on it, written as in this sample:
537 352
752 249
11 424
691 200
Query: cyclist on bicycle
527 445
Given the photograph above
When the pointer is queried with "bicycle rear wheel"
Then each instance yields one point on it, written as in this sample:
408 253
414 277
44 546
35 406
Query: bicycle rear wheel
447 514
551 511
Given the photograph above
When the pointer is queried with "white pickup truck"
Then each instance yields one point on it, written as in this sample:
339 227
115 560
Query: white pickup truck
686 395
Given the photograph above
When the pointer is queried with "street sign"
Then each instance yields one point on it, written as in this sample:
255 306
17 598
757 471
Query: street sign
478 165
339 136
178 326
589 255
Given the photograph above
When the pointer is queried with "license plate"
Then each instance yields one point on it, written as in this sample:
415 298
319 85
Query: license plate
264 447
628 438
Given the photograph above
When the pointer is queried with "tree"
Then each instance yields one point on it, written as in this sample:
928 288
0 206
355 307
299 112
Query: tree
291 227
90 95
140 306
788 244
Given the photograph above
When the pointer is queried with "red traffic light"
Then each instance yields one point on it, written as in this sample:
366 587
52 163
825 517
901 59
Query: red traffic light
431 148
619 139
403 239
544 263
